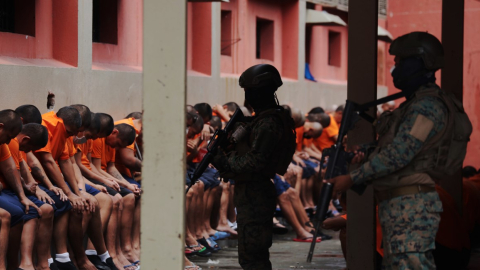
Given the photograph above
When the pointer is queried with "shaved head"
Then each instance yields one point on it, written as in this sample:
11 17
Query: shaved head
106 124
216 122
322 118
126 133
29 114
38 135
231 106
194 123
71 119
10 125
204 110
317 110
287 109
135 115
298 117
85 114
312 130
94 127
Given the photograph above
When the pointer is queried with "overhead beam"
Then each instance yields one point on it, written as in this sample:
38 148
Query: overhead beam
362 88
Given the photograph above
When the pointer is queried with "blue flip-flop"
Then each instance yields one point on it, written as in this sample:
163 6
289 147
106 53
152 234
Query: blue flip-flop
220 235
213 244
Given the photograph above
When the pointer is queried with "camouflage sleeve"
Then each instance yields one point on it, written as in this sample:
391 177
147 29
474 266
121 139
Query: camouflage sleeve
266 135
408 141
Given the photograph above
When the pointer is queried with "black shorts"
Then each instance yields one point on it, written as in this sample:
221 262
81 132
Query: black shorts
123 191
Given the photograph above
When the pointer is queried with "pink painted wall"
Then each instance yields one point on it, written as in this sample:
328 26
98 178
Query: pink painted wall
284 15
227 63
199 37
407 16
290 14
128 50
318 50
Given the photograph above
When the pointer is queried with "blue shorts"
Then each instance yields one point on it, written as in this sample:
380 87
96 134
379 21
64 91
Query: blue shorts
131 180
91 190
16 207
210 178
60 207
123 191
188 181
280 185
16 212
309 169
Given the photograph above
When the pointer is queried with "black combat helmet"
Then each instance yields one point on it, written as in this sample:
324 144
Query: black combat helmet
421 44
259 76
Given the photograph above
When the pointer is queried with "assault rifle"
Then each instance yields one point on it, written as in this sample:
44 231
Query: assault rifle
338 159
219 139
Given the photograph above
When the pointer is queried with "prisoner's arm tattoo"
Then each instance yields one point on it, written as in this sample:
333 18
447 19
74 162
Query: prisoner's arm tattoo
117 175
37 174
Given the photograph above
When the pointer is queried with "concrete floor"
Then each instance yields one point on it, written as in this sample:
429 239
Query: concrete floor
284 254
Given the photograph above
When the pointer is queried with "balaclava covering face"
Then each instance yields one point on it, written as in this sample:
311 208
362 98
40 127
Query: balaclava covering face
410 73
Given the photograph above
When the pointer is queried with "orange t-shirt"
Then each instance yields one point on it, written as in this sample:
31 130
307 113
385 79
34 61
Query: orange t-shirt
451 230
4 155
201 153
72 150
118 163
299 140
326 140
85 148
57 137
104 152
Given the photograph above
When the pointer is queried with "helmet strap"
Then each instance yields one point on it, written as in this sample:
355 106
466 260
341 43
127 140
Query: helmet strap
276 99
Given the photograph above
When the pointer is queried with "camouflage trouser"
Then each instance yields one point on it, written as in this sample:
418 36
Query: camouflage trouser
409 226
255 202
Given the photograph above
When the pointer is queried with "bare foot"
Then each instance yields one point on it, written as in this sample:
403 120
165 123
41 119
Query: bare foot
124 262
27 267
210 231
130 255
304 235
136 252
226 228
189 263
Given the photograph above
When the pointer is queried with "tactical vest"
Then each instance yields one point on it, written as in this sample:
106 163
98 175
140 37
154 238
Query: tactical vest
282 154
441 155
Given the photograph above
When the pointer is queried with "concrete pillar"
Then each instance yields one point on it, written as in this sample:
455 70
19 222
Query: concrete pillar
362 88
164 87
85 21
452 73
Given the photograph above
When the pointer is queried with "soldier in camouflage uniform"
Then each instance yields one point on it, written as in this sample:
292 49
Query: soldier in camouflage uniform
254 161
405 156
